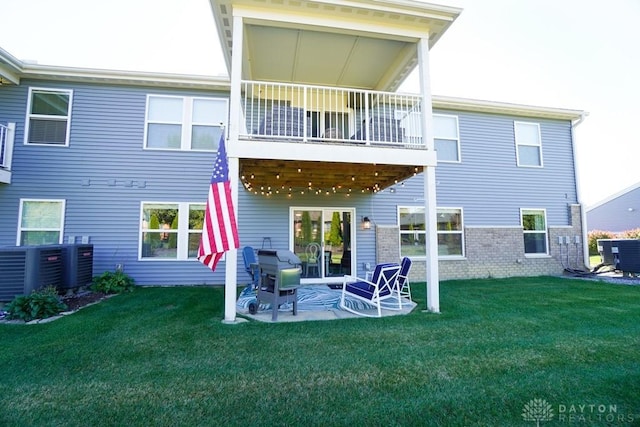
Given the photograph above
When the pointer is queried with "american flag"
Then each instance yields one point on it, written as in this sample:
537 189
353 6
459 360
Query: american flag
220 229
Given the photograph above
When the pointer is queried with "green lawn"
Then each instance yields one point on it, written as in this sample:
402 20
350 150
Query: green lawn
162 357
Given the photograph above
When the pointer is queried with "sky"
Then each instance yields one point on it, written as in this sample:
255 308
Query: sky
575 54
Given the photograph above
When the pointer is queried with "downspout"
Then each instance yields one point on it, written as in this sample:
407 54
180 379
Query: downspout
583 215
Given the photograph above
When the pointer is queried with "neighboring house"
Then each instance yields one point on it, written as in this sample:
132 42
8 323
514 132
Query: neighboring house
321 149
617 213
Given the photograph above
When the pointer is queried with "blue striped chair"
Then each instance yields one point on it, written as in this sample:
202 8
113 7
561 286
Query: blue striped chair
381 287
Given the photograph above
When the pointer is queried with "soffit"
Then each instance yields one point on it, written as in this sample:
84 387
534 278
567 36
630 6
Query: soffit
283 177
362 44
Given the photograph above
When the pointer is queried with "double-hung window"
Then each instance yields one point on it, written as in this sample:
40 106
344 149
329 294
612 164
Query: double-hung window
534 226
48 117
184 123
446 137
41 222
412 226
528 144
170 230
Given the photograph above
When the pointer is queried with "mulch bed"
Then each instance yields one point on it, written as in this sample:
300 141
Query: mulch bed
82 299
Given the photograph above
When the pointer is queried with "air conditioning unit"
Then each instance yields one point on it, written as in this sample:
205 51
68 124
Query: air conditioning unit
26 268
628 256
77 265
606 251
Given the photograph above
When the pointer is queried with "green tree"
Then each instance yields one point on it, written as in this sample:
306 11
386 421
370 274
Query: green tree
335 233
306 227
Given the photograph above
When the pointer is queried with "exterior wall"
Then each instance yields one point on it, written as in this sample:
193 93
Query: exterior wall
616 215
105 174
497 252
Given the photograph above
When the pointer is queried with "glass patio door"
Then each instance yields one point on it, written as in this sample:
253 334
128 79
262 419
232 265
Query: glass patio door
321 237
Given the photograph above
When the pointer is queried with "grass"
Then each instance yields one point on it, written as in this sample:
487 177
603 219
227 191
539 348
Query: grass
161 356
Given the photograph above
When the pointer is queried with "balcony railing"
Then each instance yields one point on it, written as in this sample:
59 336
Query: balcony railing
302 113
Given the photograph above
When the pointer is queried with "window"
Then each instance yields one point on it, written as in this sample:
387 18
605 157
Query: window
48 117
446 137
528 144
534 225
413 232
170 231
184 123
41 222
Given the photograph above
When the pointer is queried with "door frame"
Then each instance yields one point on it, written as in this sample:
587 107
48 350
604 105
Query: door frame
352 238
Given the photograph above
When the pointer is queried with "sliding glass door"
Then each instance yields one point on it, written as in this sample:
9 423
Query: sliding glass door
322 238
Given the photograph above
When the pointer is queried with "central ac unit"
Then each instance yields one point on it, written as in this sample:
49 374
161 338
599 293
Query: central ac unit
26 268
77 265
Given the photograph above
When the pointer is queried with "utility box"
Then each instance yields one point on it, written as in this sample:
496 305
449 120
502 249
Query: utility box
628 257
26 268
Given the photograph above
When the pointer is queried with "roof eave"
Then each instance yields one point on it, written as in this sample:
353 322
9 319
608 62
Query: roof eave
494 107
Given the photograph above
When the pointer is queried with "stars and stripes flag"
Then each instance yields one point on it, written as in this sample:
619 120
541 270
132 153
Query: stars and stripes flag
220 229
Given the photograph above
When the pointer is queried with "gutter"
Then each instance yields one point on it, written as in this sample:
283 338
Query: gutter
583 213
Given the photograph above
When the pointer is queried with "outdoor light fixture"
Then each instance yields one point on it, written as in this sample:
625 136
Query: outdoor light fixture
366 223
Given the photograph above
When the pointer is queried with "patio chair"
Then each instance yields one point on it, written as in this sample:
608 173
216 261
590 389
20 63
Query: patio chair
379 289
402 282
251 265
312 252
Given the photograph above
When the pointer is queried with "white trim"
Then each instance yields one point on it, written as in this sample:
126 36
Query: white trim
353 228
29 115
60 229
613 197
457 139
182 232
546 232
186 122
519 144
438 232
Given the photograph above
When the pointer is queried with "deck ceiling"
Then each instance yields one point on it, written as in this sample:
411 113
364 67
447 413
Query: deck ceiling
324 58
367 44
282 176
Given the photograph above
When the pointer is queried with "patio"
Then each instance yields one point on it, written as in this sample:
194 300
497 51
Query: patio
315 302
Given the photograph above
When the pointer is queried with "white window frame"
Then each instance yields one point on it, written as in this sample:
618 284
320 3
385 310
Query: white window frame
29 116
59 229
545 232
186 122
182 232
519 143
461 232
448 138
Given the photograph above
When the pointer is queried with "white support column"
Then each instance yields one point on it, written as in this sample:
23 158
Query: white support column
231 264
430 210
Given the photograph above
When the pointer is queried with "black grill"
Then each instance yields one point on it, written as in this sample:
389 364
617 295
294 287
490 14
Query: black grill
280 272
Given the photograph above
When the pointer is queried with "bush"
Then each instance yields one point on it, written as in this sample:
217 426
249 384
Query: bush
631 234
112 283
593 239
40 304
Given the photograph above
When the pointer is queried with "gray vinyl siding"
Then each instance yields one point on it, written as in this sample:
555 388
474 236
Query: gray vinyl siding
105 174
616 215
488 185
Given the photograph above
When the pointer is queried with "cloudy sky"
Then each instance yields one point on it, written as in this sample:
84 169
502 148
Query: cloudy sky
577 54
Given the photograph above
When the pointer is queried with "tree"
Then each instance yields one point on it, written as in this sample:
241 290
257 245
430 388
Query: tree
335 234
306 227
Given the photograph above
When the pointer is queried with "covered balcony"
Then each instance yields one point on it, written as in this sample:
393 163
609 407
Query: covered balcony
314 83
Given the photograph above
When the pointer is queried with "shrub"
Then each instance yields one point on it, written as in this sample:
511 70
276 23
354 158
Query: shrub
40 304
112 283
593 239
631 234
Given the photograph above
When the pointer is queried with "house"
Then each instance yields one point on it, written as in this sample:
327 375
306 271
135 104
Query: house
322 149
617 213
